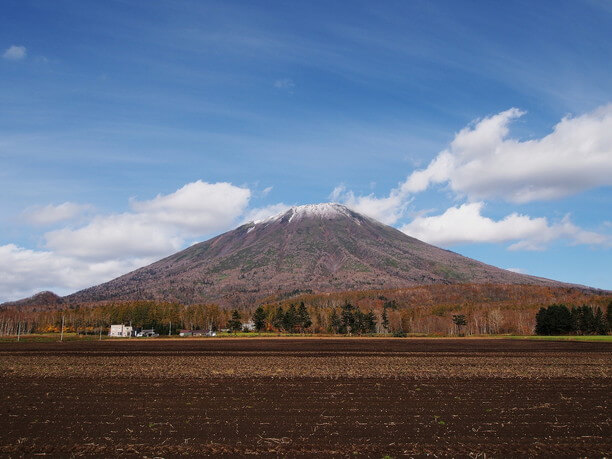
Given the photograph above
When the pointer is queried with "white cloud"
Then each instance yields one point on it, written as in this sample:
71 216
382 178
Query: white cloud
284 83
156 227
197 208
111 245
25 272
115 237
387 210
466 224
49 214
517 270
15 53
483 162
261 213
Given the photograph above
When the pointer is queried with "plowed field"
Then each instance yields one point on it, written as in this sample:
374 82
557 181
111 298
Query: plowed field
306 397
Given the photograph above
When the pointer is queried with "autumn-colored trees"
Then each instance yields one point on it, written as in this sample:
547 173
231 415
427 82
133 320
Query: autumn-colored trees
488 309
91 318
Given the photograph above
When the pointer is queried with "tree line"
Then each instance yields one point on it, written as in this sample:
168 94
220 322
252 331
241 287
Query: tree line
365 313
558 319
349 321
291 320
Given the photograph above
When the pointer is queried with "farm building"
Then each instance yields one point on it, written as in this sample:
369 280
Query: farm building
122 331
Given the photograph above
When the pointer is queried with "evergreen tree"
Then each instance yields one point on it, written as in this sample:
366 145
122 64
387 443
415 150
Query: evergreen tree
303 317
586 320
359 322
334 322
542 327
290 319
279 318
609 316
259 318
391 304
235 324
557 319
385 320
347 319
600 324
370 322
589 319
576 319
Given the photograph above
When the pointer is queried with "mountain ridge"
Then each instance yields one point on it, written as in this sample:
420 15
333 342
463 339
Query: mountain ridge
319 247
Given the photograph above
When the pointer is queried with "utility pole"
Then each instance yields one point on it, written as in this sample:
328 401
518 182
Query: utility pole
18 330
170 329
130 329
100 332
62 334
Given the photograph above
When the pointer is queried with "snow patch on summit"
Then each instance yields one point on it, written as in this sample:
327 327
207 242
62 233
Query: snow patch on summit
325 210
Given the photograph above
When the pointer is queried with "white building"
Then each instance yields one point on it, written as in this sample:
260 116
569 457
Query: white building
122 331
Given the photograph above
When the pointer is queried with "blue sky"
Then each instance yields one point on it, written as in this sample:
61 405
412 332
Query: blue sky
129 130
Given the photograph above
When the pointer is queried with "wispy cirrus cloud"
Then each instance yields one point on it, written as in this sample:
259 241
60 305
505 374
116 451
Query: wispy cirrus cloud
285 84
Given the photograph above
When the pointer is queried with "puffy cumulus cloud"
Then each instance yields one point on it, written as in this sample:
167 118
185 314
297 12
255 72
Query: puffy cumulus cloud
387 210
116 237
110 245
156 227
25 272
483 162
198 207
466 224
49 214
15 53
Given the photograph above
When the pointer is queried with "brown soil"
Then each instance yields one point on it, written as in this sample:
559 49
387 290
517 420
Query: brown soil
345 397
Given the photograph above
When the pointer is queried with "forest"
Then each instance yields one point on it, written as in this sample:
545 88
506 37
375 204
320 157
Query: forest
431 310
558 319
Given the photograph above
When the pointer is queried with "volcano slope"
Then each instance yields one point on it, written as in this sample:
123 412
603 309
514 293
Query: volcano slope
312 248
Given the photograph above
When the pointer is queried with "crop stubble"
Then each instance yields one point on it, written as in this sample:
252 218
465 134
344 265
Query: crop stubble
306 397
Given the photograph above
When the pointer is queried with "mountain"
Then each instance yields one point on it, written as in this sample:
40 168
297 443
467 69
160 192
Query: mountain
46 299
312 248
